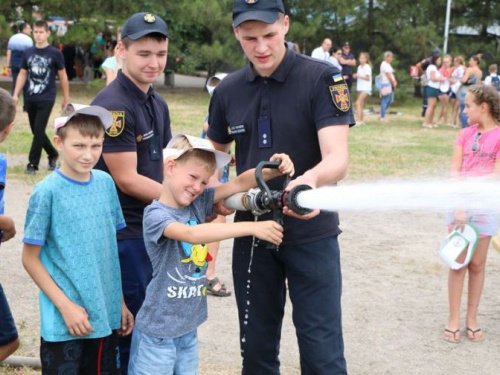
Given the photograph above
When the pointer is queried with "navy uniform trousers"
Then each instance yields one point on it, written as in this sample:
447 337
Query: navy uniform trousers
136 273
314 282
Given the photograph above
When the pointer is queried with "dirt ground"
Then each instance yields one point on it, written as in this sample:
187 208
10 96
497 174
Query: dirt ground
394 300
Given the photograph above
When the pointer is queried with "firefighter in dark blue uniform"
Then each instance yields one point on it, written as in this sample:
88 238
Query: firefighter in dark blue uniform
132 151
286 102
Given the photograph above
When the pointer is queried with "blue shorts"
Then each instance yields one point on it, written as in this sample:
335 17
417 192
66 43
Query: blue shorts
8 331
431 92
152 355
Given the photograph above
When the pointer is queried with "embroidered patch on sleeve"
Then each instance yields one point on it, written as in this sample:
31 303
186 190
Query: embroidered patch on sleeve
118 124
340 96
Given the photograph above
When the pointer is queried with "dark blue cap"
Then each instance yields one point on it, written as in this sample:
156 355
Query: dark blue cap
436 52
142 24
256 10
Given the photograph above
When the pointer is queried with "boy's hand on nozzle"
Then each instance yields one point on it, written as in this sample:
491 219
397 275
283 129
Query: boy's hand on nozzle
286 164
127 321
269 231
76 319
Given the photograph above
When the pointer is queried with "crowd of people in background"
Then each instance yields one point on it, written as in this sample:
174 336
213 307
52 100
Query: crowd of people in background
82 63
444 81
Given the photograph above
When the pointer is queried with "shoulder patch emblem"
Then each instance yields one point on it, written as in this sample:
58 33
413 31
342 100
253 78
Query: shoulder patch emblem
118 124
340 96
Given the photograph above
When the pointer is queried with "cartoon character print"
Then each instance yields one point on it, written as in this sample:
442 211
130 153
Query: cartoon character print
39 76
187 276
197 255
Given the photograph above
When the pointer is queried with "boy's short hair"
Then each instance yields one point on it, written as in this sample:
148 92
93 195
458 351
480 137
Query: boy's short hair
91 121
41 23
184 147
7 109
493 68
88 126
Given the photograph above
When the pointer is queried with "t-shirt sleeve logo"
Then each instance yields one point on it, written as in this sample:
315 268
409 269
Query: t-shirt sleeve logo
340 96
118 124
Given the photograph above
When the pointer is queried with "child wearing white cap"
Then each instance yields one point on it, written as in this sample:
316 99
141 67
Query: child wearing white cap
165 337
70 251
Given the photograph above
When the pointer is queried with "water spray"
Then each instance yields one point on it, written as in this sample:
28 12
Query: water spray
438 195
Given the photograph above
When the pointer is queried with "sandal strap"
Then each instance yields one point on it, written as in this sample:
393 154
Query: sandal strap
473 331
213 282
452 332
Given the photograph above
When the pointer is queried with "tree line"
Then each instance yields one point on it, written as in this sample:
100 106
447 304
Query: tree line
201 33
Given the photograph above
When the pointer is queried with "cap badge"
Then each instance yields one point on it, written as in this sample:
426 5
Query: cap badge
251 1
149 18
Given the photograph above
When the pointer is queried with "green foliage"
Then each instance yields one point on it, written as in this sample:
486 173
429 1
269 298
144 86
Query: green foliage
80 34
203 37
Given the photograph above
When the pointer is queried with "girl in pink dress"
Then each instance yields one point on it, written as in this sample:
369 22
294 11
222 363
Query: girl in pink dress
444 89
476 154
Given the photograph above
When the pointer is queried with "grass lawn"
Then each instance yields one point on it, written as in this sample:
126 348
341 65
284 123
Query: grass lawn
400 148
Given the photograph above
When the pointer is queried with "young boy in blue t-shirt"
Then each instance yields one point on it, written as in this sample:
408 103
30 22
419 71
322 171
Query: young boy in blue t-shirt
70 251
165 338
9 341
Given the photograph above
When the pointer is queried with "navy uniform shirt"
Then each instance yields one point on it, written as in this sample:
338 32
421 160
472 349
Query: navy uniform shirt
141 124
282 114
347 69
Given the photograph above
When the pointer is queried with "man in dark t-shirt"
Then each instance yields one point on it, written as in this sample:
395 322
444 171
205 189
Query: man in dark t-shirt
39 66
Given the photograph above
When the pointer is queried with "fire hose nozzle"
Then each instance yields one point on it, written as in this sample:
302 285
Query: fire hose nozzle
291 199
260 202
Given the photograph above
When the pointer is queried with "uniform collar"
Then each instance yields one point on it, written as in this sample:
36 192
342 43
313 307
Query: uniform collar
279 74
133 89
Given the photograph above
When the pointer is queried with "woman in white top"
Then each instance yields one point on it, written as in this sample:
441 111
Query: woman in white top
457 74
434 79
388 84
363 84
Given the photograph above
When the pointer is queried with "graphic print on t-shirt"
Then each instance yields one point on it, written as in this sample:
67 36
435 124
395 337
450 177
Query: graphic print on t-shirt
39 76
197 256
188 276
